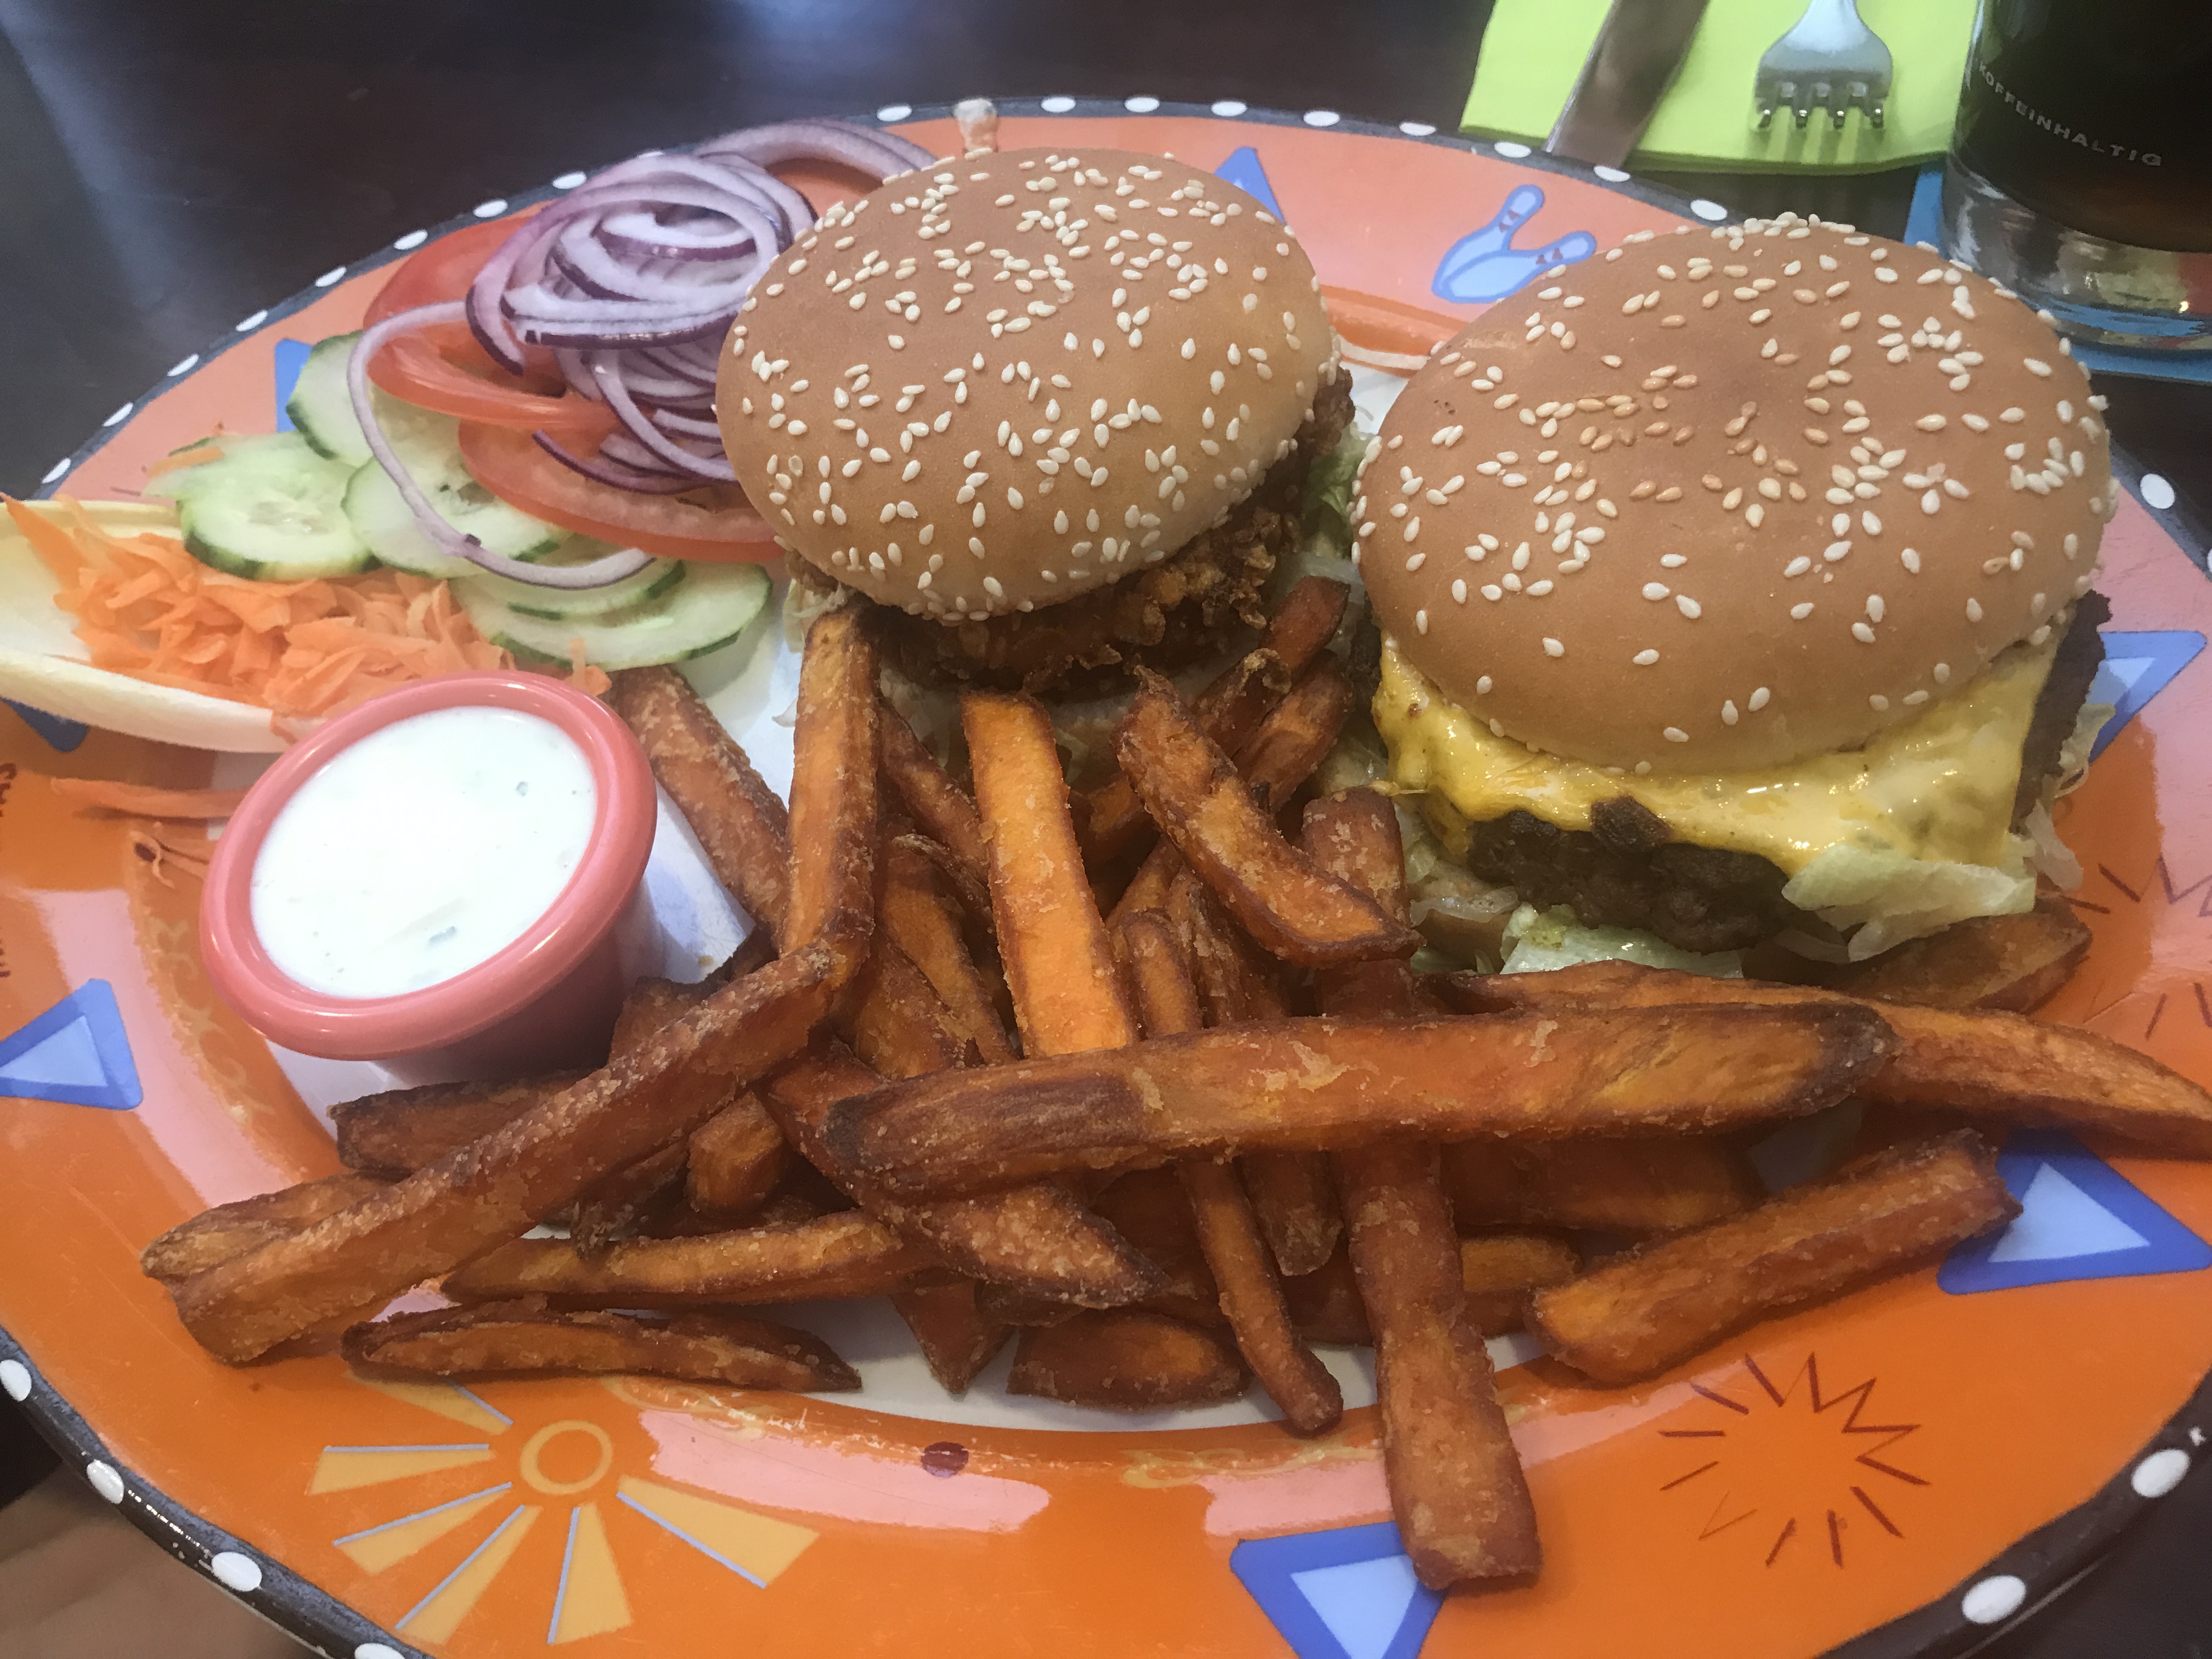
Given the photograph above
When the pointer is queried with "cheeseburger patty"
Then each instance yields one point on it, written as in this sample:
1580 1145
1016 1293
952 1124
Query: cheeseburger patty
1626 871
1175 613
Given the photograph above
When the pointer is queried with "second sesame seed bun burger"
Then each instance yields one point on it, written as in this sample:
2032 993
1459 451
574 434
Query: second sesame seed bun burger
1051 408
1739 584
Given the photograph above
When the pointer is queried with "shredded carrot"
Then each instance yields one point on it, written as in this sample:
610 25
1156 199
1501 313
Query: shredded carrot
143 800
146 608
163 855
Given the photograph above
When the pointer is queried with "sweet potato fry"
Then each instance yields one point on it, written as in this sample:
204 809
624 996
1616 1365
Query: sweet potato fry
1314 1085
1237 981
1455 1483
834 817
1195 794
1066 992
897 1022
1037 1238
931 797
1230 1234
1293 1196
1147 1207
847 1254
1986 1066
1020 1309
1228 708
514 1338
614 1203
1640 1185
2013 962
1325 1304
1636 1315
957 1334
733 1160
1127 1359
1252 1298
397 1132
617 1198
1298 733
496 1188
1498 1272
217 1234
1294 1201
650 1004
1280 757
971 887
919 917
740 822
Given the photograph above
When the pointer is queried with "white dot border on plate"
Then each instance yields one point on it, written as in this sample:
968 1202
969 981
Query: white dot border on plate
266 1585
2151 1476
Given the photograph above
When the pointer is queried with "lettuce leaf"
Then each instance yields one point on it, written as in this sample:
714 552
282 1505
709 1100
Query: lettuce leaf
1890 898
1326 525
1542 939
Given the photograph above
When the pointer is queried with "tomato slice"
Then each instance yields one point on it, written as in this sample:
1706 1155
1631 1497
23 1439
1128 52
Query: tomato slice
444 368
1376 324
715 524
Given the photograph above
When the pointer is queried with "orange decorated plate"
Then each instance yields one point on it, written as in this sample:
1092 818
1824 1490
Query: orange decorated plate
1896 1473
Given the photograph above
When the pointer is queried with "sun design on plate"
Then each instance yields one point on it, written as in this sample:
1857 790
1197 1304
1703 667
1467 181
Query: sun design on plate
1791 1466
566 1468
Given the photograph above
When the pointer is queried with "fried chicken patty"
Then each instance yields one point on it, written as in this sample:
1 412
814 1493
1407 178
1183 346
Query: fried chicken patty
1627 871
1164 616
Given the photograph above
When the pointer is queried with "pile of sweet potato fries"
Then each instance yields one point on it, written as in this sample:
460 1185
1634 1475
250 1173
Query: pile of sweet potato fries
1141 1074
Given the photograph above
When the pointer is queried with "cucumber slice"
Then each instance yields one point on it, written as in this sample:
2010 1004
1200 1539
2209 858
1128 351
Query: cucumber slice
321 409
272 510
428 446
656 582
709 608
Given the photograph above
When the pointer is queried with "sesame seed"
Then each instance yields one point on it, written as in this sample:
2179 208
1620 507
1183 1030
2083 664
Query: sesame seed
1644 658
1655 591
1672 734
1799 612
1553 648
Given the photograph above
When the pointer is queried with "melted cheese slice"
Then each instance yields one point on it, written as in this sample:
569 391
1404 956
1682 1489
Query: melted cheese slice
1937 788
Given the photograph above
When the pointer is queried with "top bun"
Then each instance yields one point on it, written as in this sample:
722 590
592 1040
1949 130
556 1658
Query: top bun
1002 381
1723 501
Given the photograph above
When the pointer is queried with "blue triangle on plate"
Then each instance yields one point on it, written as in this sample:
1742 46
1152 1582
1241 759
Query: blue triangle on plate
2080 1219
75 1053
1348 1592
59 733
2138 666
291 358
1242 169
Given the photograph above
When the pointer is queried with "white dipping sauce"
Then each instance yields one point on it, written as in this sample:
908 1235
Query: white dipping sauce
425 848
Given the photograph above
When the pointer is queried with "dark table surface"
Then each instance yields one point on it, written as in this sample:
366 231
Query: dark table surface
165 169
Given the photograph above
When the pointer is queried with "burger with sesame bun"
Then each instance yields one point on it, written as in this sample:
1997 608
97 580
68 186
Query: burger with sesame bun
1739 585
1052 410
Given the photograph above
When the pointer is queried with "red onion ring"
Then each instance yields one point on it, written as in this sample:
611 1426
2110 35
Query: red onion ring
633 278
598 573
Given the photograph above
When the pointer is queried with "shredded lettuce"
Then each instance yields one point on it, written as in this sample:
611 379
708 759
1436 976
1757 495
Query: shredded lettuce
1542 939
1890 898
2050 857
1330 483
2073 753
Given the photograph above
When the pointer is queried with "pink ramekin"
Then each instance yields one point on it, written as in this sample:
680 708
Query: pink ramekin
548 1000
